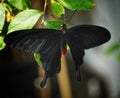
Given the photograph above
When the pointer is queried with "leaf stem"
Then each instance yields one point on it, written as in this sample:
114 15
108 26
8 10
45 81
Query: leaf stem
45 5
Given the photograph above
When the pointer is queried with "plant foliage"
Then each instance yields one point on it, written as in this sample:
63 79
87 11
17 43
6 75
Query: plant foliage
114 48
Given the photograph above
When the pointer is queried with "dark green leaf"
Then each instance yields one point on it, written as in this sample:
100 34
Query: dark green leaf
24 20
2 44
57 8
53 24
114 47
37 58
77 4
2 17
20 4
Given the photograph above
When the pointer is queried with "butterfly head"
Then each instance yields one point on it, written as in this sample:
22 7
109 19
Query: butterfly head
63 27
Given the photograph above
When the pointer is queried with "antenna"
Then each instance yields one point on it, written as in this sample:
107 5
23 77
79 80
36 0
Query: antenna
71 16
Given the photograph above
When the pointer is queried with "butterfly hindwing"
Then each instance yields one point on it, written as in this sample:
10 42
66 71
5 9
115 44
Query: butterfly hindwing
77 55
87 36
51 61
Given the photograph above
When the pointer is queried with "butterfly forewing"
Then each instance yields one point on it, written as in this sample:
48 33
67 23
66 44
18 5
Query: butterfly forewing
87 36
35 40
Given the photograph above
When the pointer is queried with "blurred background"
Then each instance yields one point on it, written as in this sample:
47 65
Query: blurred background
20 75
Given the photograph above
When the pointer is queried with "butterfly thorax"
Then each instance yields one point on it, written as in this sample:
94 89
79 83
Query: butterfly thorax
63 28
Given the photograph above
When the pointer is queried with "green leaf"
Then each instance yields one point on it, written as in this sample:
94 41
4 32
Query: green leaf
37 58
20 4
57 8
2 17
53 24
7 7
114 47
2 44
77 4
118 57
24 20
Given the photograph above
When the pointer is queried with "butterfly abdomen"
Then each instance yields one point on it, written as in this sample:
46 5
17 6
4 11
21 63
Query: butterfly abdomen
64 47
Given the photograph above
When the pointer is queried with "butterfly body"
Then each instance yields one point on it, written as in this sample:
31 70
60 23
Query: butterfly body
51 43
64 43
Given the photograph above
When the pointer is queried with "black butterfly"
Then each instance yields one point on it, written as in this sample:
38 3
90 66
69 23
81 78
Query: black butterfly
50 43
